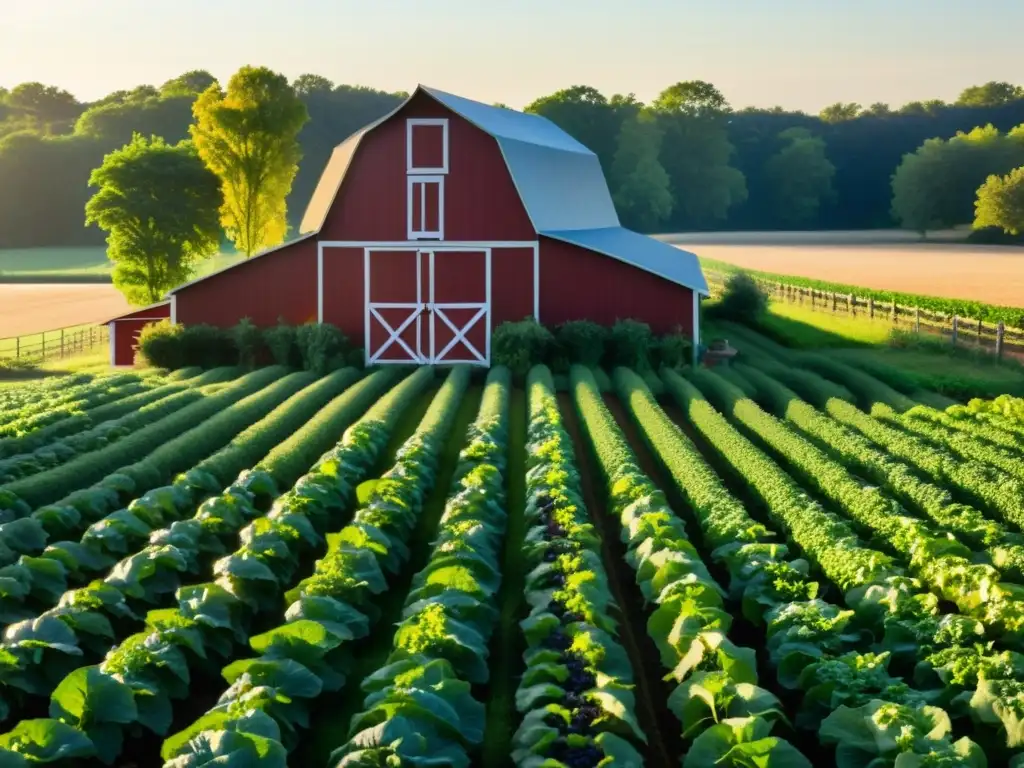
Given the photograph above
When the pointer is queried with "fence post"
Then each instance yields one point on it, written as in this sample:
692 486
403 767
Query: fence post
62 343
980 330
956 326
852 305
799 295
894 312
917 320
833 301
17 347
871 307
1000 330
44 346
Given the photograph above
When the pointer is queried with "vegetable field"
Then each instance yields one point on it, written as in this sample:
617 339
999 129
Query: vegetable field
780 564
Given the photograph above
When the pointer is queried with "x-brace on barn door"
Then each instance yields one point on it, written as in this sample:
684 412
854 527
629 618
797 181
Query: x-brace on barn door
443 293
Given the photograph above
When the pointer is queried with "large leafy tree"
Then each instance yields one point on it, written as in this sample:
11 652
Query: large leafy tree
190 83
248 136
158 204
935 186
800 176
1000 203
840 112
696 153
47 104
643 194
990 94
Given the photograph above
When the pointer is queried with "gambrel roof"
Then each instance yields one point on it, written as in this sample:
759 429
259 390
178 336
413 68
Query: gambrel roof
559 180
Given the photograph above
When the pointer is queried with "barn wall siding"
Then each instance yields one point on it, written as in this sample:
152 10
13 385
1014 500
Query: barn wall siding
280 284
511 285
577 284
126 338
343 291
480 199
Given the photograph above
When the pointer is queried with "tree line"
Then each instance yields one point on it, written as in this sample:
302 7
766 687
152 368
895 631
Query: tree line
687 160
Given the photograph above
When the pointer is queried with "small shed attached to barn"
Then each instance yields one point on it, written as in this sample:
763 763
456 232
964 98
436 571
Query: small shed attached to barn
443 219
124 331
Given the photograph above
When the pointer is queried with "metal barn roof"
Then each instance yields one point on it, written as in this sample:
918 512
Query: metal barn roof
647 253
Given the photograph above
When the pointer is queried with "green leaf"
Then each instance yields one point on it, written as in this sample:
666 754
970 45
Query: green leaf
47 741
285 675
87 696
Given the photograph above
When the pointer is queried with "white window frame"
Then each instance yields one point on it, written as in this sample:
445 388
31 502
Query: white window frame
410 129
412 220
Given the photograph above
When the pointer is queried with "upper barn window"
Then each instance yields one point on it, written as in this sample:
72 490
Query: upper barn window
426 145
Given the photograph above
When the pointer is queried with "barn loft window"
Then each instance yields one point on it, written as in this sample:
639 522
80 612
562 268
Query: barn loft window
425 207
426 146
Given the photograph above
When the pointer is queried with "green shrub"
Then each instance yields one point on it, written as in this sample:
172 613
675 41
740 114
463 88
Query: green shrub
356 358
582 341
673 350
519 346
322 347
743 300
630 344
207 346
282 341
248 341
160 345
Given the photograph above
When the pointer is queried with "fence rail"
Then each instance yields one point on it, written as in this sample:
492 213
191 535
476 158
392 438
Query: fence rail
55 344
997 338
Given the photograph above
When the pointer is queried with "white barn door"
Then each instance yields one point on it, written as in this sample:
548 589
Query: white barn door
395 306
460 306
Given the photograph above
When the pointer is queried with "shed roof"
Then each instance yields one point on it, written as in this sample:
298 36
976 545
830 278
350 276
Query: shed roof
157 311
647 253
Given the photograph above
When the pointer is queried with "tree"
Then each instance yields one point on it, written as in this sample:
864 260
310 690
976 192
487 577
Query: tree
47 103
935 186
990 94
307 85
878 109
643 194
696 154
840 112
1000 203
800 176
247 135
191 83
158 203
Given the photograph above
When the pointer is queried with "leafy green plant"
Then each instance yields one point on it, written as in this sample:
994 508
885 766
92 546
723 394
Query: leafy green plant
582 341
322 347
282 341
520 345
159 344
672 350
248 342
743 299
630 343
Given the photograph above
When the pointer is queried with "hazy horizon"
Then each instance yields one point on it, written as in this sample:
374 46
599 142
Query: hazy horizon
798 55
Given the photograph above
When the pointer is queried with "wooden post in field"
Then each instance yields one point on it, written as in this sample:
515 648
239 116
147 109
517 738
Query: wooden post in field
44 345
62 343
956 327
1000 331
17 347
893 315
833 302
852 304
917 320
980 331
871 307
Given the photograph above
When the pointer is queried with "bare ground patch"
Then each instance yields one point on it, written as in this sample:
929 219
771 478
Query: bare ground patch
30 308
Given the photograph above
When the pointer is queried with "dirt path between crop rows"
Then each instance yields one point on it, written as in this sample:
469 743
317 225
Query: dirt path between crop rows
664 746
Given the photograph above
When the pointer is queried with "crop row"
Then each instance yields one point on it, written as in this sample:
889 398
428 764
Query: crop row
689 623
899 478
575 697
1004 412
84 621
940 561
419 707
112 412
903 621
136 683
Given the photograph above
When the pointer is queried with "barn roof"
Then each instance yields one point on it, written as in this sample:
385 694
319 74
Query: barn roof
157 311
559 180
647 253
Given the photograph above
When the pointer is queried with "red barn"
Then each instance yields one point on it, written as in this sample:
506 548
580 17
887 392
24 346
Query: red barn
442 220
125 330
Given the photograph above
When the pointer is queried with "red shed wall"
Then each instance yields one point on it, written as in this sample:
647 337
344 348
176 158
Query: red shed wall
126 337
280 284
480 200
577 284
511 284
344 298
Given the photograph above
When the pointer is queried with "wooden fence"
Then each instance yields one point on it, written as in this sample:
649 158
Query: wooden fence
997 338
55 344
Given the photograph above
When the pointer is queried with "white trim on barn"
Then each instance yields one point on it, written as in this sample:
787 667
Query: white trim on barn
320 282
420 232
412 123
174 309
113 343
536 282
696 328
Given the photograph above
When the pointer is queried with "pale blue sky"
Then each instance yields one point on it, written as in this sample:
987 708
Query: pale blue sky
798 53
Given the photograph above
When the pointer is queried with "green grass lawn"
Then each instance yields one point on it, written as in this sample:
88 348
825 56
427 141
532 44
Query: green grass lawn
73 264
807 328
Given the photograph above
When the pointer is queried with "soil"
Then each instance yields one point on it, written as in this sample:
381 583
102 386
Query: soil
31 308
